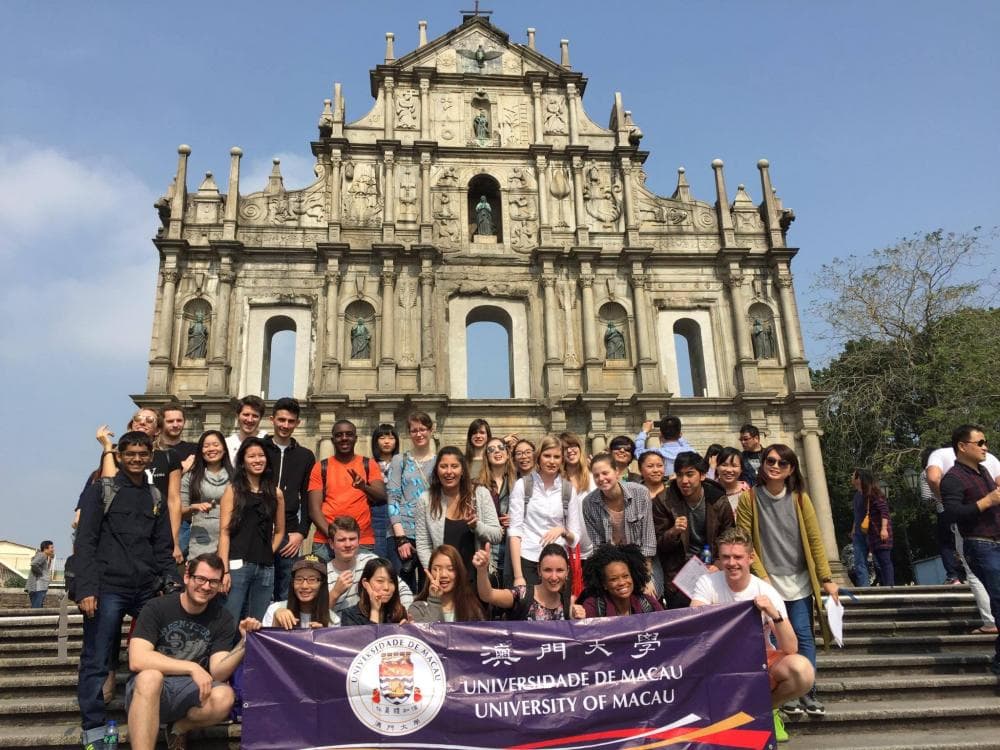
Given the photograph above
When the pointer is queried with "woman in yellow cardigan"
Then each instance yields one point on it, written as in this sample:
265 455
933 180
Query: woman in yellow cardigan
788 553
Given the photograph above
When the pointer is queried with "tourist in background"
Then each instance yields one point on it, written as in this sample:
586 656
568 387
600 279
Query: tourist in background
711 456
202 489
672 441
753 453
252 525
879 532
41 574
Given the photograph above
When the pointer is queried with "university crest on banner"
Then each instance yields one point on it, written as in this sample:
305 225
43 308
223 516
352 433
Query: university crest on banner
677 679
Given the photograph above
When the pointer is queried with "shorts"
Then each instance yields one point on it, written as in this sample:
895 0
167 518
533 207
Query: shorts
178 695
773 657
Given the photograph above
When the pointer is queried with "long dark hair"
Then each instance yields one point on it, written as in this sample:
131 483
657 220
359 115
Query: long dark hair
464 484
474 428
241 485
392 610
199 465
321 604
870 488
604 555
466 602
794 481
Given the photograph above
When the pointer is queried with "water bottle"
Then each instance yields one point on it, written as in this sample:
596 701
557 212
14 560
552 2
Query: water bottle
706 555
111 734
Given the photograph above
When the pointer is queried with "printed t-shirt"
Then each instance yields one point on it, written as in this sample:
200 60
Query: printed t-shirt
181 635
341 497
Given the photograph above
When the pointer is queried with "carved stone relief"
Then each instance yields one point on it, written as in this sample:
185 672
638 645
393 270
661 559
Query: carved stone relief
407 195
560 188
407 301
448 119
477 54
447 61
601 196
406 109
514 119
524 224
362 196
555 115
299 208
567 301
447 232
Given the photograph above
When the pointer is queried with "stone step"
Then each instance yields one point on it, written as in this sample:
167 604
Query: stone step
909 597
34 685
891 627
877 687
38 664
952 738
923 611
44 648
62 734
27 711
916 644
893 714
851 664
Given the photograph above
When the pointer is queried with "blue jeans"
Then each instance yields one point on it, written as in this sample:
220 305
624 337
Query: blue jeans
184 536
283 573
983 558
860 542
380 526
886 572
946 546
800 617
251 590
102 635
37 598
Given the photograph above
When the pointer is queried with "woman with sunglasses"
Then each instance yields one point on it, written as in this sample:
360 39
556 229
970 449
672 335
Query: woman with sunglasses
385 445
622 449
498 476
789 553
575 466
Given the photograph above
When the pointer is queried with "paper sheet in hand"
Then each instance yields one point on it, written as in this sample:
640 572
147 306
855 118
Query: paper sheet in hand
688 576
835 618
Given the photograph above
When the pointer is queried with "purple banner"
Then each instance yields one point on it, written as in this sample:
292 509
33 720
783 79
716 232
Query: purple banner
682 678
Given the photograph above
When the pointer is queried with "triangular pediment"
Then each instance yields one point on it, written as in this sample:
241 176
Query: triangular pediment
477 46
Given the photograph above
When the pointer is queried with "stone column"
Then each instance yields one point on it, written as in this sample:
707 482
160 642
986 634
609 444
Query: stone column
649 377
389 187
427 374
631 222
177 204
166 334
551 322
426 210
331 362
233 196
536 106
425 109
387 363
589 337
218 369
390 108
789 313
580 212
336 162
574 117
541 167
746 365
818 492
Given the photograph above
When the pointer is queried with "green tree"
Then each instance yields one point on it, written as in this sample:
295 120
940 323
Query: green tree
918 353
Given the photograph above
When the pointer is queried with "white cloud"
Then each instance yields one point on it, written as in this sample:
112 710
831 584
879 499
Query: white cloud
78 266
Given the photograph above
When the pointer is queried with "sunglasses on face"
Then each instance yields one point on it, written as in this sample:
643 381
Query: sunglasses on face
779 462
981 443
493 449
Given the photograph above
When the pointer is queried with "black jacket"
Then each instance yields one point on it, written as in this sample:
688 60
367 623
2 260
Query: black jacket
129 549
668 505
292 468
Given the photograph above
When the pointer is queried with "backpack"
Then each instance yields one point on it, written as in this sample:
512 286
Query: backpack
575 563
365 462
109 491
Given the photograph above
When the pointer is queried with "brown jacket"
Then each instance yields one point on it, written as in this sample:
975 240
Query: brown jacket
671 547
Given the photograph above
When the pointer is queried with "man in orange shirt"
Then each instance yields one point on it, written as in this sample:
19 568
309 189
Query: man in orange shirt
353 484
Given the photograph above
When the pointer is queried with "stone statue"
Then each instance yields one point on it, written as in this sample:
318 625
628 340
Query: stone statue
614 342
484 218
481 125
762 337
361 341
197 343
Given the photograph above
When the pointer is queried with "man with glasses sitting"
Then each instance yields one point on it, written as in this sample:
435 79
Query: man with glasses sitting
182 651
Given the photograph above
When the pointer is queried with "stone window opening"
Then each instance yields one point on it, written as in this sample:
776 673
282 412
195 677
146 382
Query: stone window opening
277 377
689 352
484 189
490 357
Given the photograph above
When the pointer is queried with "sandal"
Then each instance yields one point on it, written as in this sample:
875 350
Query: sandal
985 630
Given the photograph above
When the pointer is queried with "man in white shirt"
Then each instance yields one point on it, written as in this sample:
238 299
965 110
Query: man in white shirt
790 674
249 412
940 463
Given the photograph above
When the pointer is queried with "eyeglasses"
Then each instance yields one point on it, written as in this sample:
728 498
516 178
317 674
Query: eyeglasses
494 449
747 438
574 448
981 443
524 454
779 462
212 583
307 579
418 430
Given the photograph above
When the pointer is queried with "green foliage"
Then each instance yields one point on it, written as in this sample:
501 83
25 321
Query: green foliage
918 356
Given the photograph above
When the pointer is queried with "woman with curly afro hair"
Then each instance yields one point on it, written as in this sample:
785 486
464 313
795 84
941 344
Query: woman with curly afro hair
614 577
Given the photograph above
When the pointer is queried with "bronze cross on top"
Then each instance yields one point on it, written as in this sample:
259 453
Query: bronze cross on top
476 12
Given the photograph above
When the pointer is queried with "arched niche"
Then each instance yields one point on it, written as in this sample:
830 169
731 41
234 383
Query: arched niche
195 333
484 186
512 315
685 345
360 332
489 354
263 321
614 335
764 338
277 377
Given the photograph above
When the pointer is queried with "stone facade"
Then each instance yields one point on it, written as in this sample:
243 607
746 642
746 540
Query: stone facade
477 188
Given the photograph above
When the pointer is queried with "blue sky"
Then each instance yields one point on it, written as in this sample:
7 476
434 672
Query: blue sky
879 120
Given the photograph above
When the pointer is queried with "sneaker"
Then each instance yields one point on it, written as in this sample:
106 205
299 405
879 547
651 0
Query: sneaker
92 739
779 727
812 705
793 708
175 741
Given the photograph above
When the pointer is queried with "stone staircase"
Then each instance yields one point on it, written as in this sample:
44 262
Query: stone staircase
911 676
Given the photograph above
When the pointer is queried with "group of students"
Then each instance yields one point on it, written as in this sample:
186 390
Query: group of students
504 528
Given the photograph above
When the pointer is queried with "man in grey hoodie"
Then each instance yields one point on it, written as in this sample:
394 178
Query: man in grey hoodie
41 573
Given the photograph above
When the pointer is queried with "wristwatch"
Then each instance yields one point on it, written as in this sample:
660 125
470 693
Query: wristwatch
779 618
